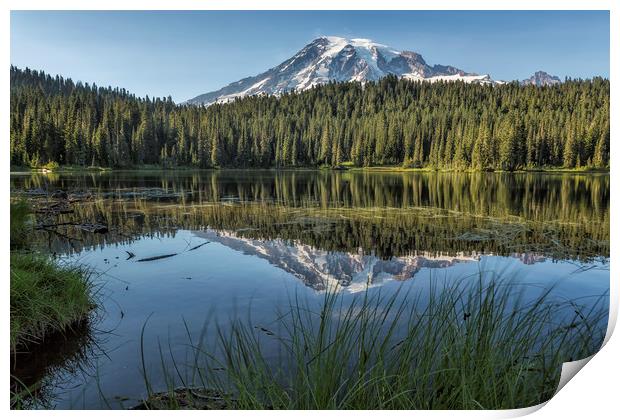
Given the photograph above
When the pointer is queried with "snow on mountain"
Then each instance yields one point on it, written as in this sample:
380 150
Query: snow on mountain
541 78
484 79
338 59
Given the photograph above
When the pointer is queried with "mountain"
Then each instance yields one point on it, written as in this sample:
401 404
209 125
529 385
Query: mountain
541 78
338 59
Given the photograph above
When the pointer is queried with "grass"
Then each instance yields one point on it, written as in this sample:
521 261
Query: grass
477 344
77 168
45 297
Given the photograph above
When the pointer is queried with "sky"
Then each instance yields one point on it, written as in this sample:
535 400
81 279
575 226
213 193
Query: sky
187 53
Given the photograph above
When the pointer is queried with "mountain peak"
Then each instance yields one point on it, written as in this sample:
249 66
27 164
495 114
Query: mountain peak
335 58
541 78
359 42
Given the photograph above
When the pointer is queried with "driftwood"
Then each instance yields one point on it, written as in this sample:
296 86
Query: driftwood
60 194
60 207
76 197
93 227
159 257
37 192
88 227
198 246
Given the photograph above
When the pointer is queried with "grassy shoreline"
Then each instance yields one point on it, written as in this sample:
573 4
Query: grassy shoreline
46 297
371 169
450 170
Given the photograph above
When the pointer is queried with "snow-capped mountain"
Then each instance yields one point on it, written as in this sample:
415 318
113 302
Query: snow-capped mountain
338 59
541 78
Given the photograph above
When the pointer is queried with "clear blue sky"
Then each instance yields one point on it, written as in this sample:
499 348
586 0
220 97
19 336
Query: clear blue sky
184 54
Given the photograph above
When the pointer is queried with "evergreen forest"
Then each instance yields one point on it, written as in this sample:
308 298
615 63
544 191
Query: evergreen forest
395 122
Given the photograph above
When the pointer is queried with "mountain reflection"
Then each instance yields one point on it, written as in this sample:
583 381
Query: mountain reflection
335 270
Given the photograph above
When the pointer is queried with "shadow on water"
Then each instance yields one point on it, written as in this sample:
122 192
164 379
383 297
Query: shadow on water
38 372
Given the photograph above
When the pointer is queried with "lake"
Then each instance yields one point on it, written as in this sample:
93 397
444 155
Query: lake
185 250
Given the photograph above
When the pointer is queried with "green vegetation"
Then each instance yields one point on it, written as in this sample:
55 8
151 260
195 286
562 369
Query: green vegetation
74 168
50 166
391 122
404 168
476 344
46 297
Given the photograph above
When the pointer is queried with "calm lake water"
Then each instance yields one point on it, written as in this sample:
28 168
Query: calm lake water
241 244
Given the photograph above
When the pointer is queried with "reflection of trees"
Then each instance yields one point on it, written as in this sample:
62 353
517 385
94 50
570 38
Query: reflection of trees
390 214
43 367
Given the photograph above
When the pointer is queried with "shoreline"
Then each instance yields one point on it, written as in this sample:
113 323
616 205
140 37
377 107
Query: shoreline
368 169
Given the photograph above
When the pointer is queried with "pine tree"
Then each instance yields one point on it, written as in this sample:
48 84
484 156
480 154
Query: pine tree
216 152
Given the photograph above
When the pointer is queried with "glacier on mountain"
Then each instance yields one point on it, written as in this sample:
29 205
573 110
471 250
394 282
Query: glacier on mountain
336 59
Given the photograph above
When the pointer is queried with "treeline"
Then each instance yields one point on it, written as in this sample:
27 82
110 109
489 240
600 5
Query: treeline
389 122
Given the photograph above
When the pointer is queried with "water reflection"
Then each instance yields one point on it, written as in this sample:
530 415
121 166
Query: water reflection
245 241
41 372
331 270
562 216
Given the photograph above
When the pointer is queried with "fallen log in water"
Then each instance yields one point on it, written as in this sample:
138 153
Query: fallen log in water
60 194
159 257
198 246
93 227
88 227
60 207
